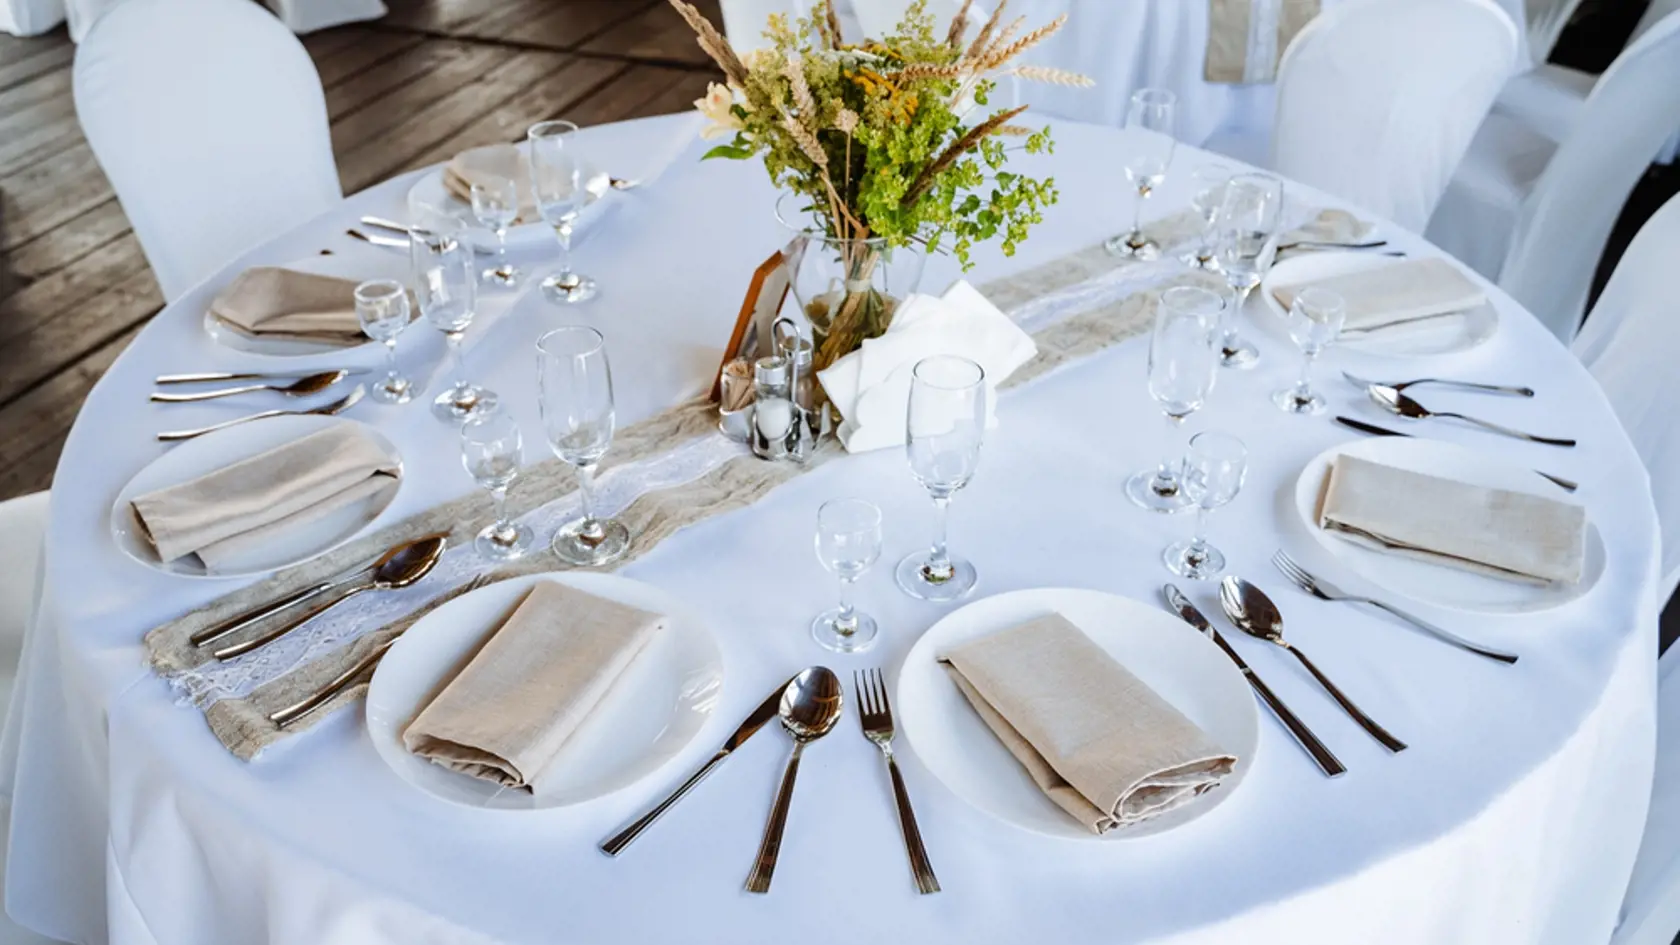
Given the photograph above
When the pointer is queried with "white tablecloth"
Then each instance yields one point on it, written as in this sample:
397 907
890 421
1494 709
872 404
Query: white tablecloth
1513 818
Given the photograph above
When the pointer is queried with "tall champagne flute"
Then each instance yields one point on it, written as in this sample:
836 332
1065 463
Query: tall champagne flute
1315 319
1182 365
944 424
382 309
1208 182
495 204
446 284
1248 218
575 394
558 177
1147 151
1214 469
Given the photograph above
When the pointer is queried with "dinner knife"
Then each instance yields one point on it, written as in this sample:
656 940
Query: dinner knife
1567 485
249 375
1327 761
766 711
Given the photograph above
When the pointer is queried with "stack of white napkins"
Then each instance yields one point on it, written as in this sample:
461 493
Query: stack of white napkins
871 386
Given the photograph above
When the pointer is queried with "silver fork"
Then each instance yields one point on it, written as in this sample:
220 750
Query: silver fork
1322 590
1443 382
875 714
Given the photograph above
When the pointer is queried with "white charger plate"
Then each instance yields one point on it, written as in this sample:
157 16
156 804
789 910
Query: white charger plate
1437 584
646 719
1185 668
357 267
432 205
212 451
1434 337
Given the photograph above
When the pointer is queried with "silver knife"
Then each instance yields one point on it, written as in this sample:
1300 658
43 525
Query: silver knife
1567 485
249 375
1327 762
766 711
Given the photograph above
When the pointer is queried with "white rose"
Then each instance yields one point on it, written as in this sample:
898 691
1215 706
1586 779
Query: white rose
716 106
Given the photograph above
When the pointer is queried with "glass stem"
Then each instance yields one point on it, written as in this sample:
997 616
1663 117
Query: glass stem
1303 387
1233 314
846 620
391 357
458 360
498 498
591 529
563 233
939 559
1166 475
1137 211
1198 543
501 247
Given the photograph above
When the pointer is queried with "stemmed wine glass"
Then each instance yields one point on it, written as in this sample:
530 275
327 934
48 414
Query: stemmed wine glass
1214 469
491 450
1209 182
1315 319
495 204
446 283
575 392
848 544
1147 152
1248 216
557 177
383 310
1182 365
945 422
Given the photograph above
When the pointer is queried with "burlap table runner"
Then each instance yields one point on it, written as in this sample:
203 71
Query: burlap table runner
1246 38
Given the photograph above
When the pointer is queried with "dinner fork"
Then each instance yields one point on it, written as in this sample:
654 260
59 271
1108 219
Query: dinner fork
1442 382
1322 590
875 714
325 410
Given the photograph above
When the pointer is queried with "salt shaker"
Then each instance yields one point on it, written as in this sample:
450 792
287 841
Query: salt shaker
773 426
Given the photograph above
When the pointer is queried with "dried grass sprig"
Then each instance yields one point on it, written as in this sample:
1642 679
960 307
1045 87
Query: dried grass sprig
834 38
805 139
957 149
1002 54
927 70
1054 76
803 103
1013 131
959 25
713 43
985 37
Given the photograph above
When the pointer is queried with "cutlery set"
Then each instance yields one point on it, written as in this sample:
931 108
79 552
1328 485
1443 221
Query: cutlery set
287 384
1392 397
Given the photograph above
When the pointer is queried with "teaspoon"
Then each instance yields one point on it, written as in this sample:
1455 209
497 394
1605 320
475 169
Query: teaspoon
302 387
1401 405
811 704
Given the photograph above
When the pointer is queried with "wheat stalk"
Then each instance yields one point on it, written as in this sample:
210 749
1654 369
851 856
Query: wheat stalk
927 70
959 23
803 103
803 137
1002 54
985 36
949 156
712 43
1013 131
833 18
1054 76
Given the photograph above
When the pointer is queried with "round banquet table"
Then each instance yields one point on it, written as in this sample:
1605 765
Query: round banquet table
1513 818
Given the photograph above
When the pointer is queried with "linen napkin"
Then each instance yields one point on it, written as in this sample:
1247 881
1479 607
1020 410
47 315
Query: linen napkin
508 713
493 161
1504 534
871 386
224 514
1099 742
1403 292
272 302
1330 226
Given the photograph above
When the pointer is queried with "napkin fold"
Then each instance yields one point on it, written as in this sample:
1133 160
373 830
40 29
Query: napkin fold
224 514
493 161
273 302
1099 742
1504 534
507 714
1330 226
871 386
1403 292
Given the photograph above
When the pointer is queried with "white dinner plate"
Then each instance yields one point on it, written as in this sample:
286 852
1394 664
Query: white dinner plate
431 205
357 267
1184 667
212 451
1438 584
1434 337
646 718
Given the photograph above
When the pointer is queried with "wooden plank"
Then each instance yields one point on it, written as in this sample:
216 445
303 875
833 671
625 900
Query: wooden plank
49 193
453 16
369 49
62 245
551 97
413 102
37 132
53 53
643 91
563 26
70 287
46 87
657 34
408 66
32 357
323 43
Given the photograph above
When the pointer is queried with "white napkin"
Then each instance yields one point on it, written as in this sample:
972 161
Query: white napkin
1395 294
871 386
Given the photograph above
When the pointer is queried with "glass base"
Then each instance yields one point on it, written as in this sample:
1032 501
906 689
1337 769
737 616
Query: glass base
1185 560
497 545
393 390
1145 493
504 275
609 542
1238 354
1289 400
460 404
828 633
1133 245
914 578
1198 260
568 288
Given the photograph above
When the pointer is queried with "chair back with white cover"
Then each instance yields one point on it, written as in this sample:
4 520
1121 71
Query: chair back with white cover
1377 101
23 529
1546 20
1650 912
209 119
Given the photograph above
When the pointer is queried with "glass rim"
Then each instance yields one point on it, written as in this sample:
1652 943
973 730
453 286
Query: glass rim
1155 96
485 418
1225 447
552 129
1316 297
571 331
953 359
873 242
855 504
379 290
1203 294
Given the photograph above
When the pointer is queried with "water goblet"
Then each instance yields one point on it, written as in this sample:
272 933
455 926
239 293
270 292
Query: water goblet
1148 151
446 284
557 178
575 393
1208 182
495 205
945 422
1248 218
1315 319
383 310
1214 468
491 448
848 544
1182 367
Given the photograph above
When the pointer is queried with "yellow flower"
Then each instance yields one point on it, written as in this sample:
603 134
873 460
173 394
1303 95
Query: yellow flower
717 106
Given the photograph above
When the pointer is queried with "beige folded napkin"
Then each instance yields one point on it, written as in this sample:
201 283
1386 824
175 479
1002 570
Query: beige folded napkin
503 161
506 715
1097 740
1330 226
224 514
271 302
1505 534
1399 293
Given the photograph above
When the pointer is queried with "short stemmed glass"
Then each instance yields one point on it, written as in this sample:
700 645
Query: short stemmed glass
557 177
1209 182
1182 366
446 283
575 392
1214 469
495 205
491 450
382 308
945 422
848 544
1147 151
1247 219
1315 319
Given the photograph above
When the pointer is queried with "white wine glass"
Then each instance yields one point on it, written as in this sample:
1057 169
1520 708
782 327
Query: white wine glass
558 179
575 393
1315 319
848 544
1248 218
944 425
1214 469
1147 152
495 205
1182 367
384 312
491 451
1208 192
446 285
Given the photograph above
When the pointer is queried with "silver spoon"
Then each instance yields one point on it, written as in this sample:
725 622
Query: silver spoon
811 704
400 567
1401 405
325 410
302 387
1442 382
1255 614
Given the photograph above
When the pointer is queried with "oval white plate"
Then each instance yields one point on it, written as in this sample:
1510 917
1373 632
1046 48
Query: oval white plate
1438 336
647 717
212 451
430 204
1184 667
357 267
1437 584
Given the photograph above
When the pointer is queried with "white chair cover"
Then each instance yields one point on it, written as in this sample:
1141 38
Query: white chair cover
208 117
30 17
1546 20
23 529
307 16
1377 101
1651 911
